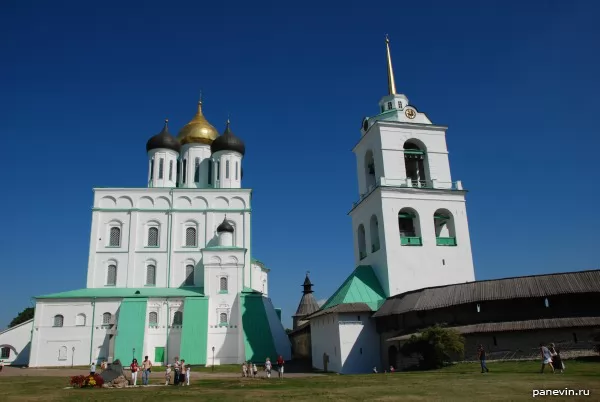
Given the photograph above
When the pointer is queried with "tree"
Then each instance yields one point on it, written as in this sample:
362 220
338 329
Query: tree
436 345
23 316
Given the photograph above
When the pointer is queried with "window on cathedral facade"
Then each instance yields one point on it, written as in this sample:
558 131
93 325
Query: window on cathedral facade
408 225
223 285
153 318
184 168
389 105
5 354
161 168
415 163
210 171
399 105
178 318
80 320
114 239
218 170
153 237
362 246
374 229
190 237
151 275
106 317
370 176
58 321
111 275
223 318
237 169
189 275
197 170
443 222
227 169
151 168
170 170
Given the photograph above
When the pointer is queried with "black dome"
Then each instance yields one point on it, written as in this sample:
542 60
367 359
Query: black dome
224 227
228 142
164 139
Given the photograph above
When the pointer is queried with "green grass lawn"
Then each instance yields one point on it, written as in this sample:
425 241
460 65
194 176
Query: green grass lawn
506 381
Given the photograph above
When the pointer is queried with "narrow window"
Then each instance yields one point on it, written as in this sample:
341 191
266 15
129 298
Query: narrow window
58 321
190 237
574 337
223 318
153 318
189 275
161 167
478 308
80 320
170 170
414 164
115 237
151 168
153 237
362 247
197 171
151 275
546 302
443 262
178 318
111 276
5 353
399 105
106 317
389 105
495 341
237 168
223 284
184 168
210 171
218 170
227 169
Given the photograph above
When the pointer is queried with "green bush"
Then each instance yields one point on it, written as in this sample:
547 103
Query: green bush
436 345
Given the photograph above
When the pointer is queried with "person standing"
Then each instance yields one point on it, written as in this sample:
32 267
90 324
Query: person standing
187 374
280 363
183 371
176 370
168 375
268 367
481 354
146 370
556 359
93 368
134 371
546 358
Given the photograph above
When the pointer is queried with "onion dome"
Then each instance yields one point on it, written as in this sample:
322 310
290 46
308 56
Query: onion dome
228 142
225 227
164 139
198 130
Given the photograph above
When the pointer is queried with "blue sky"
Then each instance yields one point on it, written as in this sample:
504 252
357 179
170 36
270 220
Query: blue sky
84 86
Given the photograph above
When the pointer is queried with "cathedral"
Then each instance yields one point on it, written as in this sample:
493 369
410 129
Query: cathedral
170 271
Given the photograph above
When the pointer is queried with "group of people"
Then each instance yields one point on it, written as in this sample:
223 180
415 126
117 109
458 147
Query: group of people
249 369
145 368
550 357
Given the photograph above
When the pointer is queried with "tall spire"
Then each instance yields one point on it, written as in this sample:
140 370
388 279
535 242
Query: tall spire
390 70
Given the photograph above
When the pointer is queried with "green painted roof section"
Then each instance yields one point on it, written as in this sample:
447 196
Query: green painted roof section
126 292
258 340
362 286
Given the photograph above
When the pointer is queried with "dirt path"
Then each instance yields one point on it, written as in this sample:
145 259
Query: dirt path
68 372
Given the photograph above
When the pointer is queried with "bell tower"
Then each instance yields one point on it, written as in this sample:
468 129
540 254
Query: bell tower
410 221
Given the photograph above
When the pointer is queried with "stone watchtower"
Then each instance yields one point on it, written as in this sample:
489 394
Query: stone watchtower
308 304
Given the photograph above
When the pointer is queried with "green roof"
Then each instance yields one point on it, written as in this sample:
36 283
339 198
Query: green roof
362 286
126 292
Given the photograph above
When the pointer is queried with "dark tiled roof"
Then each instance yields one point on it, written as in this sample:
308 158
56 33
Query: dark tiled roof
308 305
299 329
529 325
342 308
496 289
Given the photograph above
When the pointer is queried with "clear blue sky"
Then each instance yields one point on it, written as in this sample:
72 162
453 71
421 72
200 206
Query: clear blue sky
82 87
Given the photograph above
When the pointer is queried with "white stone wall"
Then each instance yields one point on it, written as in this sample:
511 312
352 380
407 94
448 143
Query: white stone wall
164 334
18 341
168 176
53 346
359 344
189 153
325 338
230 169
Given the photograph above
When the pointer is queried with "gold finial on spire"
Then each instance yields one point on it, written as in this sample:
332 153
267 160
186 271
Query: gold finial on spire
391 83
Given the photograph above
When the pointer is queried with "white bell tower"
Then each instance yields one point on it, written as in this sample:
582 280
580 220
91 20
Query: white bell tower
410 222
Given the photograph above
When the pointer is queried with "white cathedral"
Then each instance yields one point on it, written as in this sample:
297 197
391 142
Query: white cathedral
170 272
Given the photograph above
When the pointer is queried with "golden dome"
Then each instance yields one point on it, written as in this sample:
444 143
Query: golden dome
198 130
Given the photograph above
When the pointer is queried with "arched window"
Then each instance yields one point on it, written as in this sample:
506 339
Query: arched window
170 170
111 275
114 239
414 162
151 275
362 245
223 318
223 285
161 168
190 236
153 237
178 318
184 169
80 320
153 318
189 275
408 223
106 317
237 169
370 179
197 171
58 321
227 169
445 234
374 234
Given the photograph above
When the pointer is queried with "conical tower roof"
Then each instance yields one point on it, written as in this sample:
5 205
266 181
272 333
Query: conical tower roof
308 303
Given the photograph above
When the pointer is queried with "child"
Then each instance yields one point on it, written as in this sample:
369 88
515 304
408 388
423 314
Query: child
268 367
254 370
244 369
187 374
168 374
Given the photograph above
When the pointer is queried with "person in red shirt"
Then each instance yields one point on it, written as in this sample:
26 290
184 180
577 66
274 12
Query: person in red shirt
280 363
134 371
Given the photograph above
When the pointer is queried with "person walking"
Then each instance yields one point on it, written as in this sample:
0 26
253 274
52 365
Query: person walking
546 358
168 375
134 372
146 370
481 354
268 367
280 364
556 359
